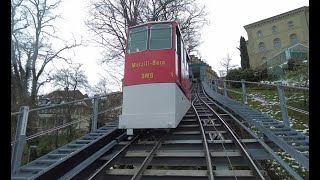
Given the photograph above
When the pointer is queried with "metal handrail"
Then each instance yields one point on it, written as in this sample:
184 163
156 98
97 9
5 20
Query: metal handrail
114 108
276 103
237 92
298 110
67 103
248 129
249 82
64 125
15 113
52 129
301 159
22 121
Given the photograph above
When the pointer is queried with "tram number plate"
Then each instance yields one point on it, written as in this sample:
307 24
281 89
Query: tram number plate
147 76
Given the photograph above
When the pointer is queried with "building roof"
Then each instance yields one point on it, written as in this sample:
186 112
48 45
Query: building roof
60 96
304 8
64 94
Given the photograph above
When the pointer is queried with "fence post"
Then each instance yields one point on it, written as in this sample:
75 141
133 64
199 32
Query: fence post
244 94
225 88
95 113
282 99
20 139
215 85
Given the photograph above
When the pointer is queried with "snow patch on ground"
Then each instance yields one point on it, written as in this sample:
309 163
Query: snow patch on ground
289 82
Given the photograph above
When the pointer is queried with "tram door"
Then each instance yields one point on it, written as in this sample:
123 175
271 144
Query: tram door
179 50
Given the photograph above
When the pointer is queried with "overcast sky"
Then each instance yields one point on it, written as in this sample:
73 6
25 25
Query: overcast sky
220 38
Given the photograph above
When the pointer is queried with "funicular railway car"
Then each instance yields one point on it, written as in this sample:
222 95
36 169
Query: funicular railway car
156 92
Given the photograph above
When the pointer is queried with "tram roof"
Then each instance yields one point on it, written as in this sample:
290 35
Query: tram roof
159 22
153 22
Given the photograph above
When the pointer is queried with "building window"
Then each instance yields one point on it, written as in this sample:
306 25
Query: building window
274 29
293 39
290 24
259 34
262 47
277 43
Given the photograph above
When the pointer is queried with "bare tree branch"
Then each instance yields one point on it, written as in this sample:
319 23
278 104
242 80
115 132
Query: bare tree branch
226 63
110 19
32 29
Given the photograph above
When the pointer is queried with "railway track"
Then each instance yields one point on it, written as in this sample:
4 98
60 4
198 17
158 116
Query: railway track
203 146
210 118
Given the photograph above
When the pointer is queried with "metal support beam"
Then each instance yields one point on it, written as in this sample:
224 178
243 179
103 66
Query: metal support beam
215 86
282 99
225 88
20 139
244 94
95 113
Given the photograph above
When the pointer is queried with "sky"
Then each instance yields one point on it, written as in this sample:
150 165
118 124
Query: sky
219 38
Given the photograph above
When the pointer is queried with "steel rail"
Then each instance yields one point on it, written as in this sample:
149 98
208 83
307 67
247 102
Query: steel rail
223 141
255 168
142 167
234 133
147 160
106 165
205 143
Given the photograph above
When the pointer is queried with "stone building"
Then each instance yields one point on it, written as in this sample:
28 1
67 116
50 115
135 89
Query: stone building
270 37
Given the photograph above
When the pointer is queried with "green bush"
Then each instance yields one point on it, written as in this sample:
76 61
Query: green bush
246 74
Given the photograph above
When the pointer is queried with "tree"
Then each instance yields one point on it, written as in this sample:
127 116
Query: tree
226 63
32 30
71 78
101 87
244 54
107 103
247 74
109 20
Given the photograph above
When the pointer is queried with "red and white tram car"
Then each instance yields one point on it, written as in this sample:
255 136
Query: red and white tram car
156 90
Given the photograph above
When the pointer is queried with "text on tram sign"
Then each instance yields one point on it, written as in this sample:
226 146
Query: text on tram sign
148 63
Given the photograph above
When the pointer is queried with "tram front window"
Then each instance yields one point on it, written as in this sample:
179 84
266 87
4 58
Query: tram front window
161 36
137 39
